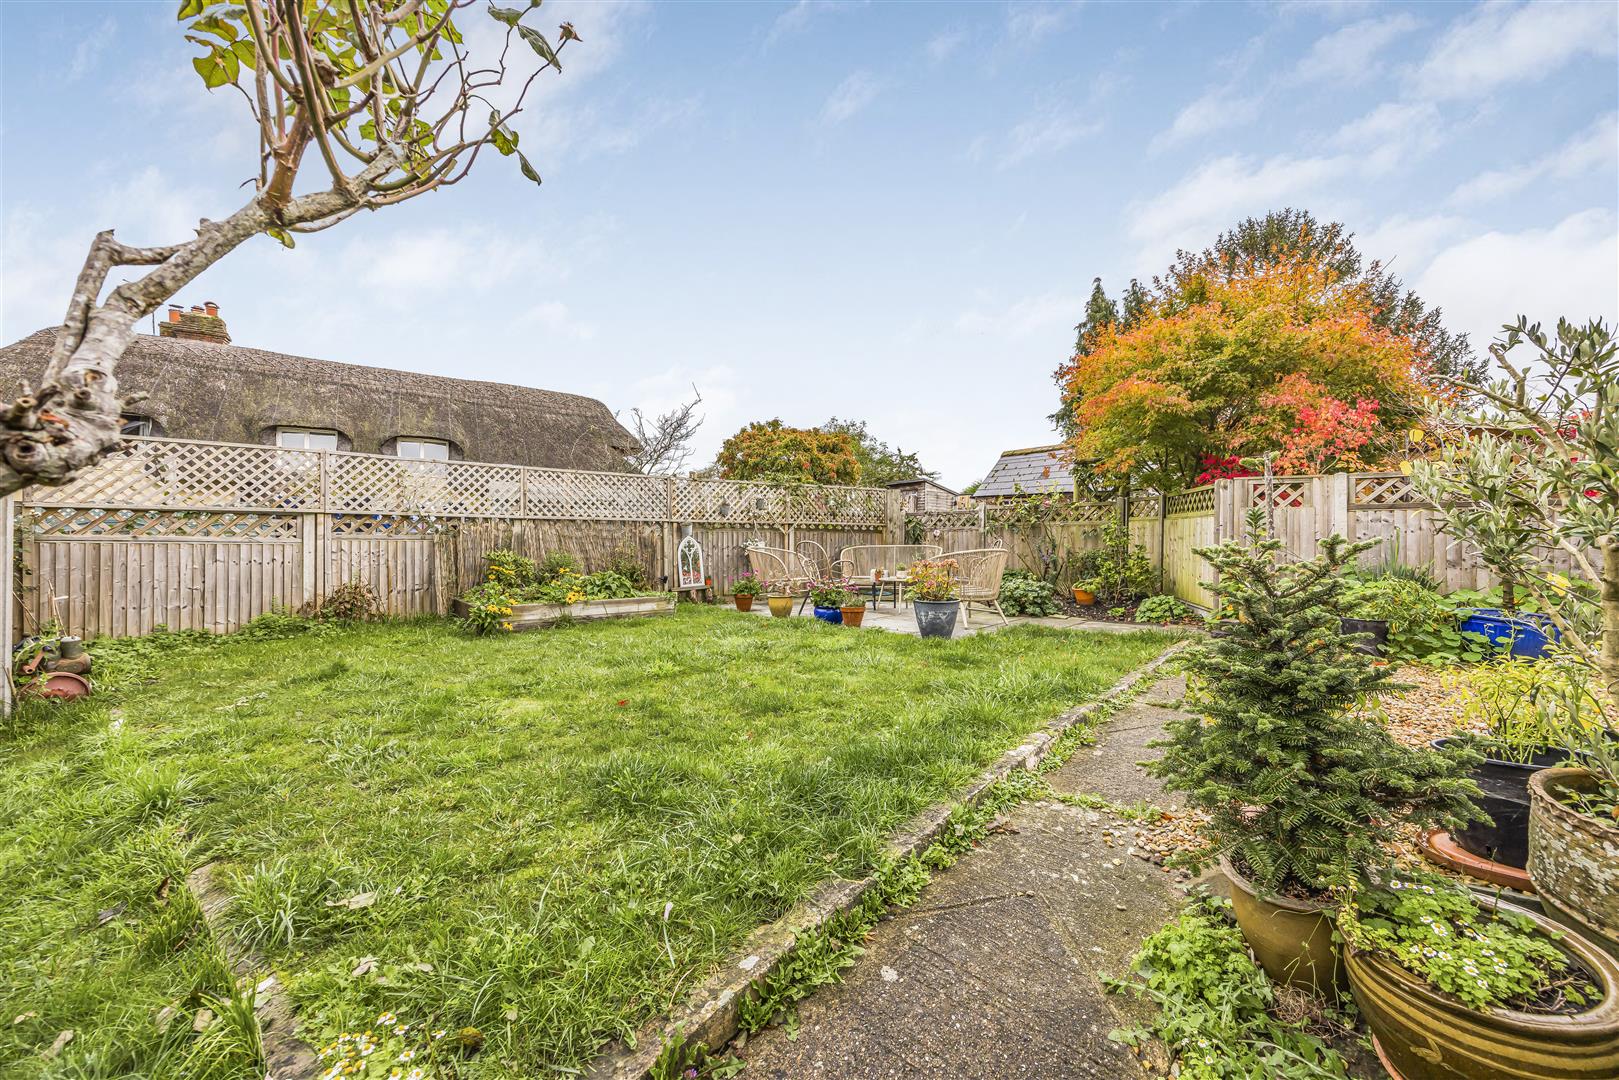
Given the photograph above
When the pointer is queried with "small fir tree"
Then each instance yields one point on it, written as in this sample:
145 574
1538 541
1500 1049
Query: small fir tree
1302 786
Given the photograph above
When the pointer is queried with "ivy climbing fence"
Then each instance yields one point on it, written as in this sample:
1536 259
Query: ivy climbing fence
204 535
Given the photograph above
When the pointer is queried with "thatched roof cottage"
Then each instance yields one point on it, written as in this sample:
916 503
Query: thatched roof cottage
199 385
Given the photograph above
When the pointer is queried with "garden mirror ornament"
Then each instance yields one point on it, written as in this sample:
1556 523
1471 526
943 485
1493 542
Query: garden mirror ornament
689 564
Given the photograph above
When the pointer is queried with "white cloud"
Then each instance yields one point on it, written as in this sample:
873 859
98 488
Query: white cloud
1210 198
1596 148
1406 244
1030 23
852 94
1390 122
1570 269
1497 44
87 54
1045 314
1214 111
651 117
1349 54
943 46
796 18
1048 131
553 317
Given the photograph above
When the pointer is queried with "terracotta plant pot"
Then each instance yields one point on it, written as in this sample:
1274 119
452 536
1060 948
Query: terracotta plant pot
1573 857
1083 597
1291 939
781 606
743 601
852 616
1425 1034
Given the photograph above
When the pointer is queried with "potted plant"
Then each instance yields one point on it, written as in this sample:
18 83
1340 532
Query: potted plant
1506 697
1302 788
828 598
935 597
1455 987
744 589
853 608
1085 592
1545 462
779 597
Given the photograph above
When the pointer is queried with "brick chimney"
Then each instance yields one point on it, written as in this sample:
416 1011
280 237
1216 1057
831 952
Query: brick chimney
198 324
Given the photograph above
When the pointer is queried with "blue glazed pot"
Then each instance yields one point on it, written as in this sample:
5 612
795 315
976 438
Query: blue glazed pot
936 618
1526 635
830 614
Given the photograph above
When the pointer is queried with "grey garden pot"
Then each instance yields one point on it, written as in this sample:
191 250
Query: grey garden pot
936 618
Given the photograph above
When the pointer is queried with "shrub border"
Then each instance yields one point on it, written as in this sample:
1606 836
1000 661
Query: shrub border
711 1014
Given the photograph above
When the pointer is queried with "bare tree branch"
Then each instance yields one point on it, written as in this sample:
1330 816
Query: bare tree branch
666 440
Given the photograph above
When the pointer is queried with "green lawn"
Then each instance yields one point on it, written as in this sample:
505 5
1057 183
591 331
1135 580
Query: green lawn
525 809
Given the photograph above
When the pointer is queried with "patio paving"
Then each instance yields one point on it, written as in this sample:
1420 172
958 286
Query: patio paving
996 972
903 621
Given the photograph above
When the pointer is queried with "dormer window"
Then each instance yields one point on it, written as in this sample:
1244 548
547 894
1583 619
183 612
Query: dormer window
132 424
298 438
422 449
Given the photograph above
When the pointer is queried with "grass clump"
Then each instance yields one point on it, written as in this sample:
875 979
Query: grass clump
546 837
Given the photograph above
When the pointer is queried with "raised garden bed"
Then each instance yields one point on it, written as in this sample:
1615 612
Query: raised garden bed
534 616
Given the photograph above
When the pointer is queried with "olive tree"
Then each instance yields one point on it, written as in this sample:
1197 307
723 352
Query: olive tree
382 96
1543 460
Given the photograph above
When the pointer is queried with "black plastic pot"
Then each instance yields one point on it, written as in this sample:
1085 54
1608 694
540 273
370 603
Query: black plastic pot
1372 634
1506 799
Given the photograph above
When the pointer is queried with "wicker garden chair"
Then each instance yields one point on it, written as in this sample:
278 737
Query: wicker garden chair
818 559
782 568
978 576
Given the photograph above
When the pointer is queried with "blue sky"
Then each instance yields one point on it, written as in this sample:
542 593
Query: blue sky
884 211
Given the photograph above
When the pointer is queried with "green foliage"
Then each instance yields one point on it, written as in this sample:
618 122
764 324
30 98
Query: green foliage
1117 571
932 580
679 1059
489 608
1437 930
627 564
568 587
1301 786
879 466
1024 594
1501 696
1423 623
355 601
1214 1005
770 450
1163 609
831 594
747 585
554 565
505 567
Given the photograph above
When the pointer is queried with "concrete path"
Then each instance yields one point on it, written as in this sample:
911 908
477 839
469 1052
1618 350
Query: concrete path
996 971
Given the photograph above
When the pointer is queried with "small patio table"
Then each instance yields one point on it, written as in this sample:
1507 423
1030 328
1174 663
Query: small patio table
875 587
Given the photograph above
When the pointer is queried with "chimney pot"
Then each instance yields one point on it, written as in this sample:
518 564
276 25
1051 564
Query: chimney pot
211 307
174 312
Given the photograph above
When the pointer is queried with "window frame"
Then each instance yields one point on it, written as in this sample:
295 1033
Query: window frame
282 430
417 441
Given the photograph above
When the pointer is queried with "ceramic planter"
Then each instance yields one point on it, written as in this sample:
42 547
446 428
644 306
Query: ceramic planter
1372 635
853 616
829 615
936 618
1506 799
1573 857
780 606
1425 1034
1291 939
1084 597
743 601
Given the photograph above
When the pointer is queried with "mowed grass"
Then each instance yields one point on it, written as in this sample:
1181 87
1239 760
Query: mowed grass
564 830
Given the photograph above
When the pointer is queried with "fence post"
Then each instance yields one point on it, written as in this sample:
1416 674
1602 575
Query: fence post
893 517
1163 533
522 491
325 481
308 538
1337 504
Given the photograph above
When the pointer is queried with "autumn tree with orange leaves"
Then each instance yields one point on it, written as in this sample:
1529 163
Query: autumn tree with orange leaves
1291 355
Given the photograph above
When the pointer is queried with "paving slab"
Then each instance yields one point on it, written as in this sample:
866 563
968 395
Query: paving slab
996 972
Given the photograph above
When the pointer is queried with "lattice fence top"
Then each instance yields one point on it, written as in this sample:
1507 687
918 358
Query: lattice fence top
1372 490
1198 500
185 475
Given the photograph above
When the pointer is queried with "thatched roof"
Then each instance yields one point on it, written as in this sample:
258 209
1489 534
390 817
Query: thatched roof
230 393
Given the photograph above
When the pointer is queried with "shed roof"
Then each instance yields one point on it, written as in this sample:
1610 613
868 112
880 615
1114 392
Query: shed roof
1033 470
232 393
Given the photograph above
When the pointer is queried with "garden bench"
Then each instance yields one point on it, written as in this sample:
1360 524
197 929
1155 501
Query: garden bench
856 563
